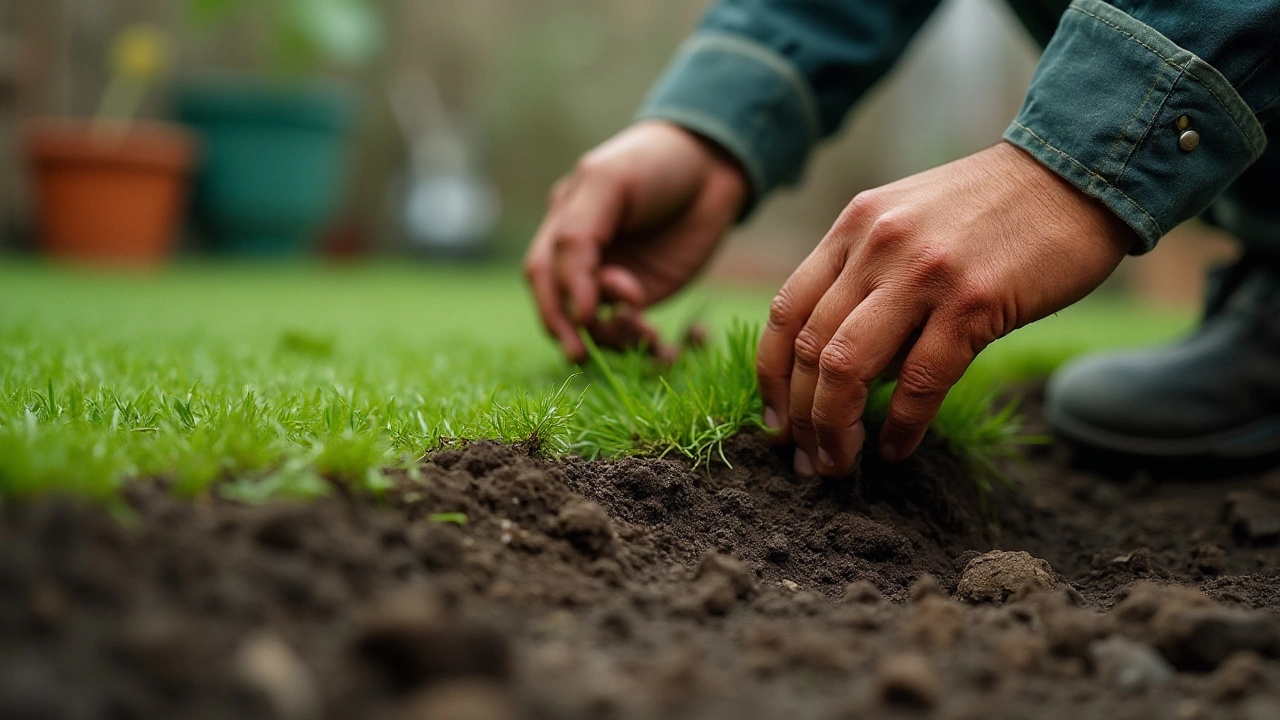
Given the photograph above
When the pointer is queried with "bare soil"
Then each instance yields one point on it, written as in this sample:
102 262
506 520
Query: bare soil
645 588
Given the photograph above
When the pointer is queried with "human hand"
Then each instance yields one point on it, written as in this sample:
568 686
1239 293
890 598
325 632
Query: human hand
937 265
632 224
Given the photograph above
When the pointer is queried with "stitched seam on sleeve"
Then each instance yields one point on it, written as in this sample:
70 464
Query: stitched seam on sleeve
1133 149
1187 69
764 55
1124 130
1090 173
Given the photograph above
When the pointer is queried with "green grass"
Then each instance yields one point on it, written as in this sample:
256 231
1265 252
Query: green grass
263 381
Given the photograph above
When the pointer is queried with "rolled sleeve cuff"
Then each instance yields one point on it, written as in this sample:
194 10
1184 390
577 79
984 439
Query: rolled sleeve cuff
745 97
1103 112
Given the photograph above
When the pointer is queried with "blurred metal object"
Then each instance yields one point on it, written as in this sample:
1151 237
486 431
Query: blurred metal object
447 205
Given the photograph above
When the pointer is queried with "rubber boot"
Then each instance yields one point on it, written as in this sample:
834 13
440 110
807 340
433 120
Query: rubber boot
1214 394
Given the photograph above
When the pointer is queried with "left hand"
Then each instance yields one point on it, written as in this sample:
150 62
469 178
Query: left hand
936 266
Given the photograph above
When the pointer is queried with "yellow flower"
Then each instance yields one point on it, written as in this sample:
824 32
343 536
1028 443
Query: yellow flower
140 52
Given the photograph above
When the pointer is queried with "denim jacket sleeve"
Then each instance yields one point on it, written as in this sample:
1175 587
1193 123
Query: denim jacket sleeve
1154 107
768 79
1118 88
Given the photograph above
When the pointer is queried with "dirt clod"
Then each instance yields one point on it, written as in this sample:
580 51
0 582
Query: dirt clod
999 576
586 525
1239 675
1253 517
862 593
1200 637
735 572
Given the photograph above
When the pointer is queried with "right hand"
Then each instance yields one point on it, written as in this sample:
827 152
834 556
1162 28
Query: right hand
633 223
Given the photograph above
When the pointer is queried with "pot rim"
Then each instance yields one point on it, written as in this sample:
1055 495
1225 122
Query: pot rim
143 143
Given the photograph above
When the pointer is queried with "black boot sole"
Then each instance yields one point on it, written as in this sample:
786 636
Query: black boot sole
1258 440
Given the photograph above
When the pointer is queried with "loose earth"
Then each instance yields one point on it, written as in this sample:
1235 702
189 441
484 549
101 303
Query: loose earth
645 588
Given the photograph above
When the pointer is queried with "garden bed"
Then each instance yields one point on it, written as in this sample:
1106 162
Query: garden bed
492 584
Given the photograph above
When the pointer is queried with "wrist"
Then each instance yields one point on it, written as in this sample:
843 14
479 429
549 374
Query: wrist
1062 199
723 169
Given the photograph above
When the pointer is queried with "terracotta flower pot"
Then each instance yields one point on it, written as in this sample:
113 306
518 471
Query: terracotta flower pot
110 198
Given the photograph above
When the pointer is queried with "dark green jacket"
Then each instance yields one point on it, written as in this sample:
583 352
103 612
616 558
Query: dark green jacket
1120 86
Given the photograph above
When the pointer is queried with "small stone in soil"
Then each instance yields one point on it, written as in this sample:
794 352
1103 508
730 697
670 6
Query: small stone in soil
265 663
998 577
1128 665
1253 518
908 680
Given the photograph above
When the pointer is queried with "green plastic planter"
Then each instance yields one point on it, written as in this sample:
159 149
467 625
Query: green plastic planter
274 161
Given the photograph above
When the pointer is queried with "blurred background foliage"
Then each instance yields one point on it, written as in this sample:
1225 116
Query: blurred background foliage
519 89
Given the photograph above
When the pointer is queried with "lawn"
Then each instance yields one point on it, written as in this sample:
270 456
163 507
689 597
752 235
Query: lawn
266 380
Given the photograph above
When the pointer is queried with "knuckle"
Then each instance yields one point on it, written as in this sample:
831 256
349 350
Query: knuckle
862 210
824 421
801 420
590 165
919 381
534 266
891 229
982 315
837 361
781 309
808 349
935 268
575 241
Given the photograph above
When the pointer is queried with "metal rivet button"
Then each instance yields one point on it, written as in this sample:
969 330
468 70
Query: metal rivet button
1189 140
1184 122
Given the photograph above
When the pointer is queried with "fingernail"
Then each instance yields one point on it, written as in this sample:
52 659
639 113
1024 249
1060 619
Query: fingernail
771 420
824 458
804 466
889 452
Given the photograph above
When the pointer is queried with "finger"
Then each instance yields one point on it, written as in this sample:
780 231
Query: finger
864 345
623 330
937 362
788 313
588 221
830 313
618 284
539 270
